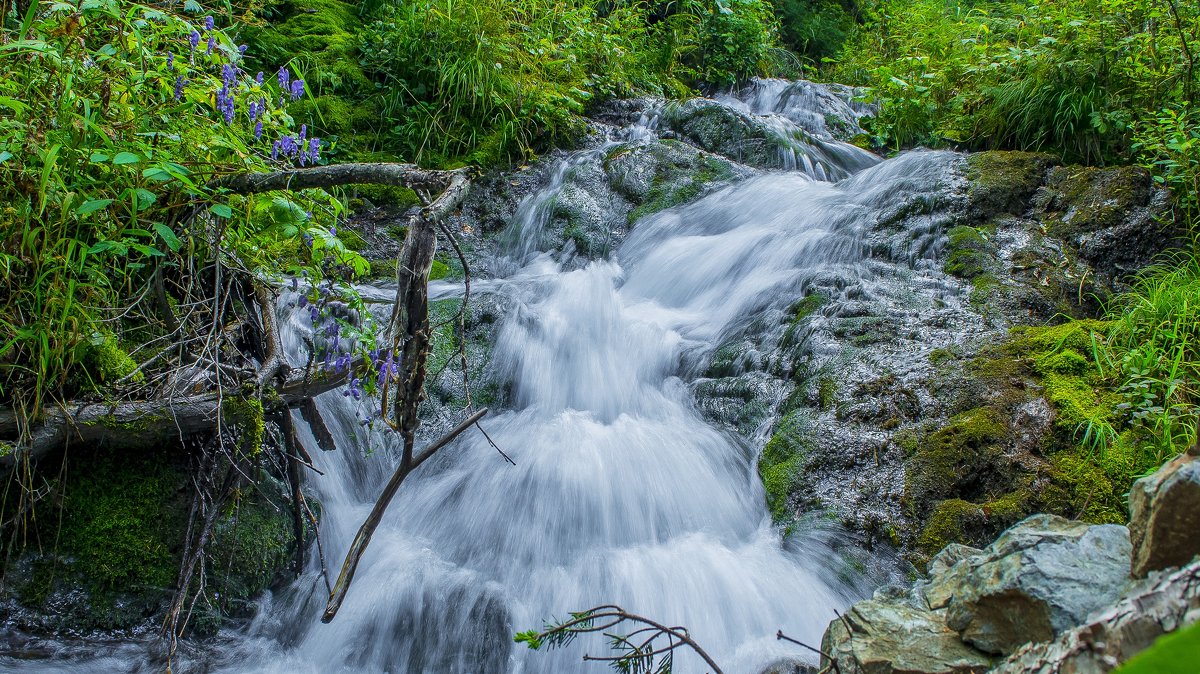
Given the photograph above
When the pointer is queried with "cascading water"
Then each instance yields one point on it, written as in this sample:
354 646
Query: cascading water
621 493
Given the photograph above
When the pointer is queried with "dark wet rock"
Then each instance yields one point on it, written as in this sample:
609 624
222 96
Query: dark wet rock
1165 516
1041 577
725 131
890 637
1116 218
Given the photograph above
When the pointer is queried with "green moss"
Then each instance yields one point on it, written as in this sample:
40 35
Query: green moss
352 239
389 195
801 311
827 391
438 271
781 463
969 254
326 114
121 521
1075 334
952 520
960 458
104 361
1080 488
250 546
1004 181
1009 509
246 414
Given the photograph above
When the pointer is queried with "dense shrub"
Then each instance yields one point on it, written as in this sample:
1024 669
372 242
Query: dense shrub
487 80
115 119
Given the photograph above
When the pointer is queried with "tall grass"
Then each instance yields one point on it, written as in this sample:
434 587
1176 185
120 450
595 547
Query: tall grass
1156 343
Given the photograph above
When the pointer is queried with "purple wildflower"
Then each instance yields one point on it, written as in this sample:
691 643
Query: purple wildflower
303 302
275 151
180 83
314 146
194 39
258 79
284 77
308 240
314 314
242 49
171 61
258 130
297 89
208 23
333 231
212 42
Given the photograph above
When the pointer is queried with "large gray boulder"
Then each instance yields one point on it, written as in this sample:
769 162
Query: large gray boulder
1165 602
1165 516
1043 576
889 637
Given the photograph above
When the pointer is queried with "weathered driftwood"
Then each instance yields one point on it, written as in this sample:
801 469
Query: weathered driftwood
145 422
384 173
149 422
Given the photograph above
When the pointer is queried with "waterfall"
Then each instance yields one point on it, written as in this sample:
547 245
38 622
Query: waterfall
622 492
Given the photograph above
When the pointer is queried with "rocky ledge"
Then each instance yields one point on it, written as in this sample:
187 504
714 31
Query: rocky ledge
1048 595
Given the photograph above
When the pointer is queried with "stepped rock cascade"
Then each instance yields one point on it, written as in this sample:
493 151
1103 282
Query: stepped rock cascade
622 492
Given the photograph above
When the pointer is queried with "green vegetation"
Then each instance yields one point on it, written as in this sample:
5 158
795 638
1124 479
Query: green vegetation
116 118
491 80
1173 653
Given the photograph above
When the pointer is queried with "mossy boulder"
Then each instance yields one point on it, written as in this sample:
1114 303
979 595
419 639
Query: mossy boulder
106 556
1003 182
725 131
658 175
1116 217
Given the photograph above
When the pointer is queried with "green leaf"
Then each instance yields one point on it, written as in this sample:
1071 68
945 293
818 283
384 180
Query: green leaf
98 158
168 236
13 104
5 156
147 250
93 205
123 158
101 246
221 210
145 199
157 174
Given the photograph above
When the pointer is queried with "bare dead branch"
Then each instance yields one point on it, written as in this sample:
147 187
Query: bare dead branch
407 465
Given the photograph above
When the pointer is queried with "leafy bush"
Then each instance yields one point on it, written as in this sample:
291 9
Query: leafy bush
116 119
487 80
1079 78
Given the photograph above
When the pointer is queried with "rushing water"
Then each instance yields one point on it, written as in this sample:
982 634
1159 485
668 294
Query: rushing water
621 493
